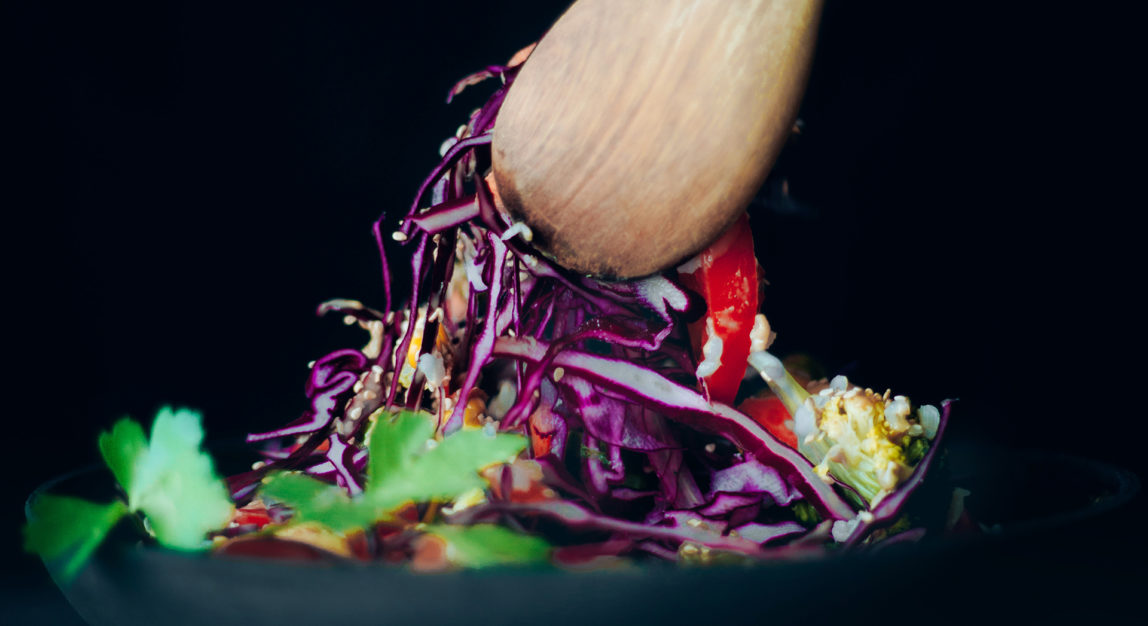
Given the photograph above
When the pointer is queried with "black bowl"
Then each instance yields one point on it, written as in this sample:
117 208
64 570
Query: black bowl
1017 497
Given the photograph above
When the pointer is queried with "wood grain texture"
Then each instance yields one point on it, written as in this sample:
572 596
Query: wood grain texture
637 131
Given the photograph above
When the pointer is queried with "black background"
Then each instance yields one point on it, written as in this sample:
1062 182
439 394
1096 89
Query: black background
185 182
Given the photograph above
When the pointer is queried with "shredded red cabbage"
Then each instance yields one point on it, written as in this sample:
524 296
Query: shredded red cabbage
602 380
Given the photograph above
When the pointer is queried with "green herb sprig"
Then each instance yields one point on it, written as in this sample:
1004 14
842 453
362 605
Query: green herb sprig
406 465
169 480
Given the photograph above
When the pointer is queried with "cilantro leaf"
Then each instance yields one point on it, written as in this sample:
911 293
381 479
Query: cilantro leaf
483 545
70 529
174 483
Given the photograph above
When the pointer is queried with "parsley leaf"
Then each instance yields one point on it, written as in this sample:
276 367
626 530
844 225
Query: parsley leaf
405 465
483 545
451 468
62 527
320 502
174 483
169 479
393 443
121 447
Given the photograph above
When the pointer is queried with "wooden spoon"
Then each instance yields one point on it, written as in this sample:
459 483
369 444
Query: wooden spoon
636 132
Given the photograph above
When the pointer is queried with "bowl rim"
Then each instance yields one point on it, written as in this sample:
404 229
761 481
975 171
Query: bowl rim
1124 485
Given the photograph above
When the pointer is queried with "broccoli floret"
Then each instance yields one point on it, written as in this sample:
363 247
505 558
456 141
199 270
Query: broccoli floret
868 441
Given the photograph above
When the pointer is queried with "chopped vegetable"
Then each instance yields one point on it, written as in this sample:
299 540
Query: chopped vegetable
865 440
770 412
725 274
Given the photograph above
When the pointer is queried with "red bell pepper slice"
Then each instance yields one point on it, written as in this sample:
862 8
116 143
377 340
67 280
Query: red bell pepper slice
771 413
725 275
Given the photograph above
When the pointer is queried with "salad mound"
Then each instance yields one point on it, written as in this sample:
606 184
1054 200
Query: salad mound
509 411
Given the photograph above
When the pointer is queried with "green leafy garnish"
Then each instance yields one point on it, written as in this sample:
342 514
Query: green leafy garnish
70 529
445 471
394 443
406 465
483 545
169 479
317 501
121 447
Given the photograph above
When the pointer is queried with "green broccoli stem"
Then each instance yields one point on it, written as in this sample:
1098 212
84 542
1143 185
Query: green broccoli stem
792 394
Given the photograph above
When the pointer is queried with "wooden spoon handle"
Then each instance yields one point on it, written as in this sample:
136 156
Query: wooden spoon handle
636 132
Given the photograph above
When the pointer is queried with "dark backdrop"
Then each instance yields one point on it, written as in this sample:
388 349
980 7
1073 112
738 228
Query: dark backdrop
186 182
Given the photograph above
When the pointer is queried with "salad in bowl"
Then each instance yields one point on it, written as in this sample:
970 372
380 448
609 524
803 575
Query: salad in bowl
507 412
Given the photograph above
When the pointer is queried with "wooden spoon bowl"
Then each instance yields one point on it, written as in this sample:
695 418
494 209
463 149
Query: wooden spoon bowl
637 132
